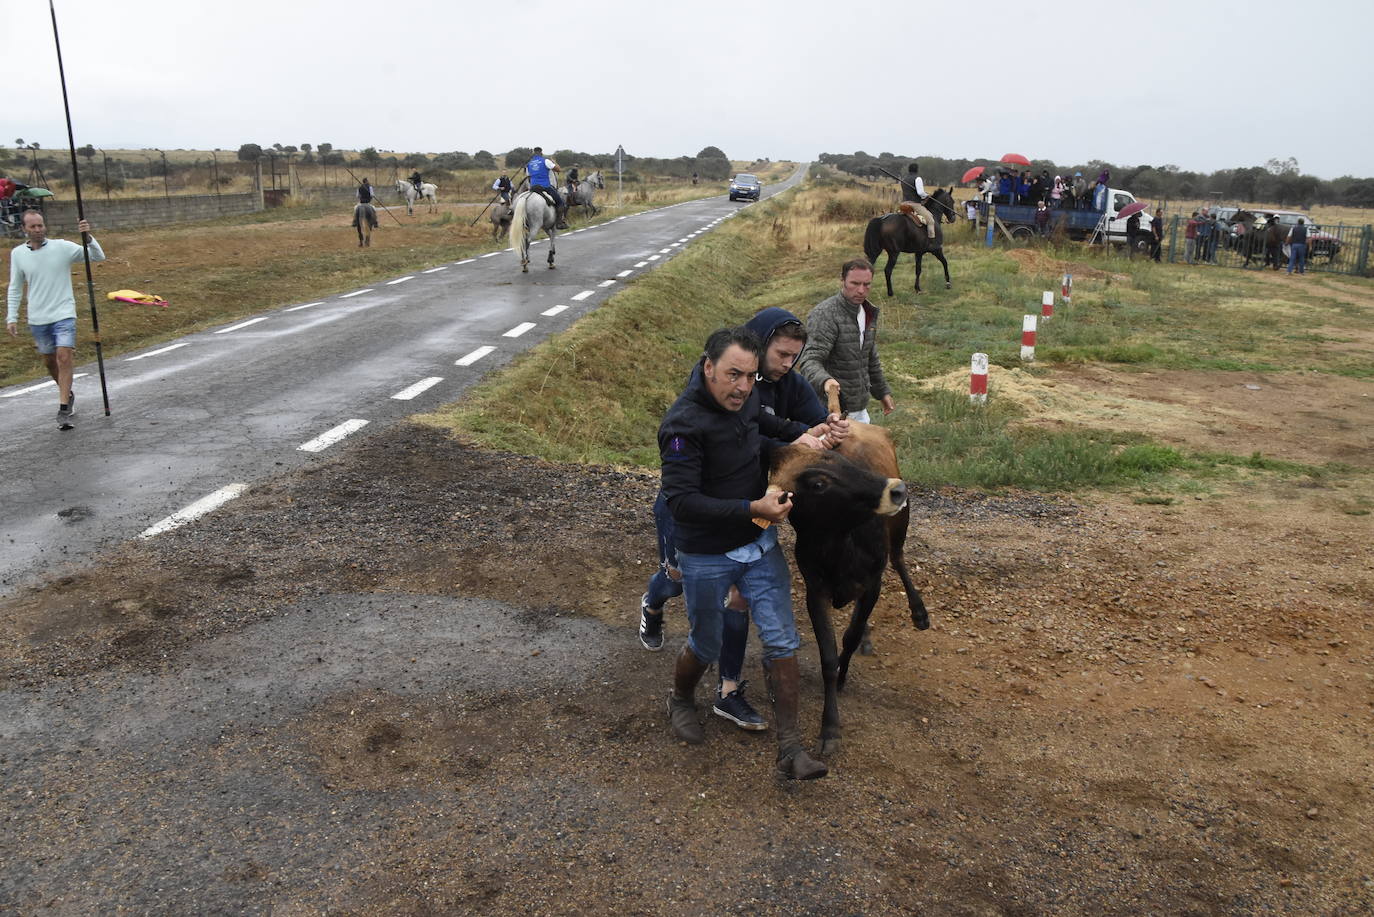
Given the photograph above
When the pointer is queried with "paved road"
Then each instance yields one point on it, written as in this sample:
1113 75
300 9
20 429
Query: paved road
202 418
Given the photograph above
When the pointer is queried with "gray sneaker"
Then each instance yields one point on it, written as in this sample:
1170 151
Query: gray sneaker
64 417
650 627
737 709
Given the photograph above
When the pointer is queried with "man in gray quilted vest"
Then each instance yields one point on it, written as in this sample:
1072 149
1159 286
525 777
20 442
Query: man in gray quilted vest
841 352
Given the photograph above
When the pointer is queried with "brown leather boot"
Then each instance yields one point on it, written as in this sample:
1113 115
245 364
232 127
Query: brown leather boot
784 680
682 706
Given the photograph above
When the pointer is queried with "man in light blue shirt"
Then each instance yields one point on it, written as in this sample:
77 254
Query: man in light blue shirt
45 266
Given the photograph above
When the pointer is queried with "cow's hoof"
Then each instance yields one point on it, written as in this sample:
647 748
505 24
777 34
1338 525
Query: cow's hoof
948 286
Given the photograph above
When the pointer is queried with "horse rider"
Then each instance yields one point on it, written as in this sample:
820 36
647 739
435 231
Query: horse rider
914 192
502 187
417 180
539 170
572 180
365 192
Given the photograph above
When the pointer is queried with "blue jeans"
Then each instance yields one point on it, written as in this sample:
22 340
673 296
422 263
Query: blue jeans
706 580
553 192
663 587
61 333
1297 256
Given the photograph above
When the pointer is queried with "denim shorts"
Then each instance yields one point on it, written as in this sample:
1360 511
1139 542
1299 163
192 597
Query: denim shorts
47 338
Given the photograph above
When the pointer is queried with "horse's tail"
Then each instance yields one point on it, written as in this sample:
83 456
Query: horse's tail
518 229
873 239
357 215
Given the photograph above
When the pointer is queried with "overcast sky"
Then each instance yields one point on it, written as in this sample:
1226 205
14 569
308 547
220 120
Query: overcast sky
1157 81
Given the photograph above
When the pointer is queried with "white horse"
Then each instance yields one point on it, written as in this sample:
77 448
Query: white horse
428 190
585 194
532 213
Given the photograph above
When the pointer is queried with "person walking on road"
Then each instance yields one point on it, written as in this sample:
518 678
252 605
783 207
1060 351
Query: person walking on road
841 352
44 265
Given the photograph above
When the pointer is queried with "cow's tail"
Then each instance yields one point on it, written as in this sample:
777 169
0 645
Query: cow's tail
873 239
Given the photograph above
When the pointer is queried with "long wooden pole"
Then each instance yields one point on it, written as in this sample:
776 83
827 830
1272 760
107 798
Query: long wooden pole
81 215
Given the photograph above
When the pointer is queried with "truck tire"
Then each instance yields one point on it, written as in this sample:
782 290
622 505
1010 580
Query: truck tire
1022 234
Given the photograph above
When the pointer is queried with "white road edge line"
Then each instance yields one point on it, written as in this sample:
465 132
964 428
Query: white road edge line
640 263
625 273
251 321
553 310
423 385
465 261
518 330
356 293
492 254
473 357
332 436
306 306
606 283
583 295
435 270
206 504
392 283
153 353
41 385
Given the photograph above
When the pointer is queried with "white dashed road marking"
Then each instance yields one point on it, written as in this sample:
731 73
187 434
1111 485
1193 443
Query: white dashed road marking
553 311
473 357
306 306
492 254
664 251
153 353
654 257
251 321
392 283
435 270
330 437
518 330
606 283
423 385
41 385
624 273
640 263
583 295
206 504
356 293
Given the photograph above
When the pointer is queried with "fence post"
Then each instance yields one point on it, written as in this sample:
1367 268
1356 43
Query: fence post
1173 238
1362 264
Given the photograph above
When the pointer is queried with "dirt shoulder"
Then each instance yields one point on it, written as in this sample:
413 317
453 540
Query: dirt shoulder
1120 708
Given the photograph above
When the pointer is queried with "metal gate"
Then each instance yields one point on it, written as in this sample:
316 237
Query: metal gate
1331 248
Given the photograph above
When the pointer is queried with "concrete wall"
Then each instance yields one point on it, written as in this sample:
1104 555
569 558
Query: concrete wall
127 213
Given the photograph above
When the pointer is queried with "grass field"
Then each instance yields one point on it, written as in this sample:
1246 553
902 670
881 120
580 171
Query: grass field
1137 318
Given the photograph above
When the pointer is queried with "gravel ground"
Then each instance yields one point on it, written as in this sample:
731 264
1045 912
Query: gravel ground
406 680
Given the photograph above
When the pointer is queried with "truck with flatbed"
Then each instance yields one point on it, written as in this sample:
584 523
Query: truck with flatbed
1017 221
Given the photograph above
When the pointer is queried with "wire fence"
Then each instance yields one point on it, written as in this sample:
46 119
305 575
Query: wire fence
1331 248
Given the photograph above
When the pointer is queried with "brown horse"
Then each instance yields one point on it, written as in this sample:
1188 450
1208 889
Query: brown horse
364 220
896 232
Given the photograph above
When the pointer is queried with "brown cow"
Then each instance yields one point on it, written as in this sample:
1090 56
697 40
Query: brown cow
851 514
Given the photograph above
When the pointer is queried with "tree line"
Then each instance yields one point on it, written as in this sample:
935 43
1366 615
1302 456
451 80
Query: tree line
1277 181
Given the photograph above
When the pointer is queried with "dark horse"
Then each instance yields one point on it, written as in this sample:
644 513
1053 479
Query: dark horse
1252 241
896 232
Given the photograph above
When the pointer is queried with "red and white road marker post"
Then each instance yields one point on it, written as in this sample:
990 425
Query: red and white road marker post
978 380
1047 305
1066 291
1028 339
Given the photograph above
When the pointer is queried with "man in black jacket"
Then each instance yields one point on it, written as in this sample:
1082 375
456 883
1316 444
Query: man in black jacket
712 442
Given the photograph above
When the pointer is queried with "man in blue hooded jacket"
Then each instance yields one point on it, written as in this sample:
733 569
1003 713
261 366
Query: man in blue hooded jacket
791 399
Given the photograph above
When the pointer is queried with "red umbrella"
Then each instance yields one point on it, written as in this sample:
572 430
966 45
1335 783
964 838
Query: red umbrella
1016 159
1130 209
971 174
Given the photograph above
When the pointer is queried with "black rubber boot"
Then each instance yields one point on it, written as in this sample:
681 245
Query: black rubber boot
562 218
682 706
794 763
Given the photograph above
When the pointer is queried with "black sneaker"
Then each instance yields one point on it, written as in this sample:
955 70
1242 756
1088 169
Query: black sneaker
737 709
64 417
650 627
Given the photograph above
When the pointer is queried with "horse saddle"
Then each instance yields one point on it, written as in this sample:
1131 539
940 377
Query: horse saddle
545 194
909 208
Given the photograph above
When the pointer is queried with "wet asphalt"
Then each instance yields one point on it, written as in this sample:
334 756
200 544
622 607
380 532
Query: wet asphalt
233 405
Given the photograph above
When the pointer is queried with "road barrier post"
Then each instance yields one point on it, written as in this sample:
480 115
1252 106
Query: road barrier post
1047 304
978 380
1028 339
